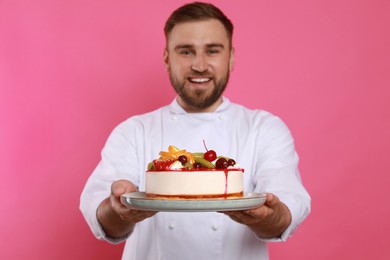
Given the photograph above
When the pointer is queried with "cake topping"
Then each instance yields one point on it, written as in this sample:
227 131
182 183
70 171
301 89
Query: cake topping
177 159
209 155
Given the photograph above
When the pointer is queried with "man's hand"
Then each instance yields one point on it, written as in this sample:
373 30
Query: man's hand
117 189
268 220
115 218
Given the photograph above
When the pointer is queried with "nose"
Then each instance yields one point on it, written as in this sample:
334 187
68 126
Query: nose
200 63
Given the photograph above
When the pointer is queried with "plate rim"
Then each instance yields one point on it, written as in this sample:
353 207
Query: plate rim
137 200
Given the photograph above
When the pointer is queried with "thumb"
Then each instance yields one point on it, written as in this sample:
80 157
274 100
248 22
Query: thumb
271 200
122 186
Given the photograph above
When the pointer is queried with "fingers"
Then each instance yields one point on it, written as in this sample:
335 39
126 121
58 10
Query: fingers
117 189
136 215
243 217
258 214
271 203
236 217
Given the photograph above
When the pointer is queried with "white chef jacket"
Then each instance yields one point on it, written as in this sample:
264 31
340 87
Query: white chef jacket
259 141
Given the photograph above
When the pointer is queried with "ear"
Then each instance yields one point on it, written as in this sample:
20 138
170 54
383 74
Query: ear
166 59
232 59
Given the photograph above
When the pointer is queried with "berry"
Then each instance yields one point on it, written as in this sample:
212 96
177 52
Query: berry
221 163
196 165
210 155
183 159
231 162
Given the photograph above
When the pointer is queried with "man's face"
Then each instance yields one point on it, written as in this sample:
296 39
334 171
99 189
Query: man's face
199 58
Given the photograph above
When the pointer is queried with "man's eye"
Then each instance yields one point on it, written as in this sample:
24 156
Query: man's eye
213 51
186 52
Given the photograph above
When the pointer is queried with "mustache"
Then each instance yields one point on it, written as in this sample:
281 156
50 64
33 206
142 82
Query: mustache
200 74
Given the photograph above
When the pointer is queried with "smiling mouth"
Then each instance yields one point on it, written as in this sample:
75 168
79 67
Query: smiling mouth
199 80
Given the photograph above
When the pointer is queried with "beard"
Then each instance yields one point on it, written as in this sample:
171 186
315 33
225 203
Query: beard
199 98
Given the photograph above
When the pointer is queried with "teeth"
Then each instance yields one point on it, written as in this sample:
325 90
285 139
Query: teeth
200 80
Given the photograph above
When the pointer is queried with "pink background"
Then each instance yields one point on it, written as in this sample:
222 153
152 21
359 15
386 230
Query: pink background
71 70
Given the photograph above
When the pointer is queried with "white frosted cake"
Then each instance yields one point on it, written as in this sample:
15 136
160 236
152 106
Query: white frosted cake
178 174
194 184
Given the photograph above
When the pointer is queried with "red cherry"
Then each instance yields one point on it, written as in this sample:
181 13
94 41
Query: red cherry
221 163
183 159
196 165
231 162
210 155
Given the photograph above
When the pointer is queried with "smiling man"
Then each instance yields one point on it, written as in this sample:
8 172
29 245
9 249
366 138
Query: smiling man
199 57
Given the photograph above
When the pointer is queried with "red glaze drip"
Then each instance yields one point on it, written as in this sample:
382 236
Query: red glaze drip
226 182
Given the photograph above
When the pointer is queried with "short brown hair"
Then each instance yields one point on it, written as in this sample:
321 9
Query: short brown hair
198 11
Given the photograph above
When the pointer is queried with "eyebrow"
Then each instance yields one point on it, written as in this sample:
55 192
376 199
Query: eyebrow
190 46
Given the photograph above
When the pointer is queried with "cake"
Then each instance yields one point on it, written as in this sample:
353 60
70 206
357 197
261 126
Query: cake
179 174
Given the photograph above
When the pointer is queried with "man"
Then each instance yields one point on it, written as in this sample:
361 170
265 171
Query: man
199 57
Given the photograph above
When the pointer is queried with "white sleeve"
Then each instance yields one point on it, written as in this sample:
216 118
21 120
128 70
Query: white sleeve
277 172
118 161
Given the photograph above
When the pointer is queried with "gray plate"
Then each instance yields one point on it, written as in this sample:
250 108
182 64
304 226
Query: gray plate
138 200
